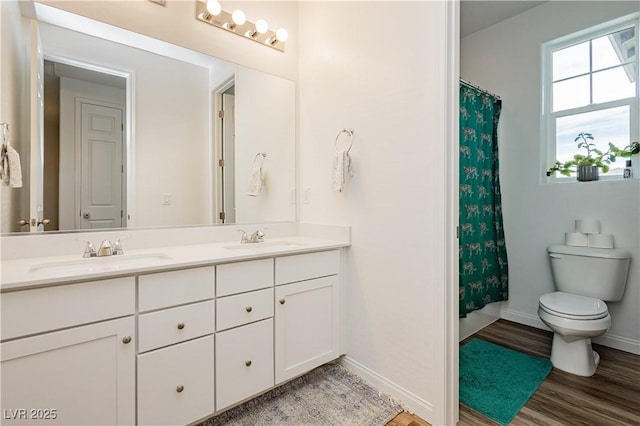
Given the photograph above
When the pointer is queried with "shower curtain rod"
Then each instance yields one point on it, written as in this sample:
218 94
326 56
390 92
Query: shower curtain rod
466 83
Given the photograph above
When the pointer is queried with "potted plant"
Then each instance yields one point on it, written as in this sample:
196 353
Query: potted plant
587 166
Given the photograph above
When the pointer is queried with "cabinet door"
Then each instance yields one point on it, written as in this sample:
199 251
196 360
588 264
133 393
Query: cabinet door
175 384
306 326
80 376
244 362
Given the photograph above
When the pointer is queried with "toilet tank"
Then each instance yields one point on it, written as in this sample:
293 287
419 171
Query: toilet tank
589 271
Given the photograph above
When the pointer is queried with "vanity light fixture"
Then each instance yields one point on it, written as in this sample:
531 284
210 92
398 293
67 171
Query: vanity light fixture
238 17
261 28
214 7
211 12
280 37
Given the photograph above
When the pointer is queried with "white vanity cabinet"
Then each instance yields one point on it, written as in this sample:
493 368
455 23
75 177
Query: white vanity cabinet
166 347
65 360
176 346
244 324
307 312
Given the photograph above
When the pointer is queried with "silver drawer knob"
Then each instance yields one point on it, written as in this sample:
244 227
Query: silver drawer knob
126 339
180 325
248 309
179 388
248 363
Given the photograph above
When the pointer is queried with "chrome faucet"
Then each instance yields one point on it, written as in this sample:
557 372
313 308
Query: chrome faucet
89 249
244 238
107 248
117 247
256 237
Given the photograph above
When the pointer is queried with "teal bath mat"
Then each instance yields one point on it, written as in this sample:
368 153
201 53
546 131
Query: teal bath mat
497 381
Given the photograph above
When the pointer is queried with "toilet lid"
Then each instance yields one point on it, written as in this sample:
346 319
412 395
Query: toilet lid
573 306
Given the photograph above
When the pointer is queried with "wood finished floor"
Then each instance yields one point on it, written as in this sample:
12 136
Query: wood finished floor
611 397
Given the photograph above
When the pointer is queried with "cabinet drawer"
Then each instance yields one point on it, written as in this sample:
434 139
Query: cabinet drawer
232 311
175 384
244 362
307 266
173 288
44 309
233 278
169 326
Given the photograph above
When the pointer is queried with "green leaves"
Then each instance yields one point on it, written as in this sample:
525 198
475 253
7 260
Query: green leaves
594 156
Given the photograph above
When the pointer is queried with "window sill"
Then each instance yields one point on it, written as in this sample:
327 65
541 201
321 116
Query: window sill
618 180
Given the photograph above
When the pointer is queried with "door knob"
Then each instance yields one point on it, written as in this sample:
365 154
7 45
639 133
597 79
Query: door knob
23 222
44 222
86 215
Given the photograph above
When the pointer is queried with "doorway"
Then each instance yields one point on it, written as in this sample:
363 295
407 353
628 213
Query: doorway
225 149
84 147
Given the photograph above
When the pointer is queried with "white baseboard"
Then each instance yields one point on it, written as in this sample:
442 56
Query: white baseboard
619 342
410 401
522 318
609 340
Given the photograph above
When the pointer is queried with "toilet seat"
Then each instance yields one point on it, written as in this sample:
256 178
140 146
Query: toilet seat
573 306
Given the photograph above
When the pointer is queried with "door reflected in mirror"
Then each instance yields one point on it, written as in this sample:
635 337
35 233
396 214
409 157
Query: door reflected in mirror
134 134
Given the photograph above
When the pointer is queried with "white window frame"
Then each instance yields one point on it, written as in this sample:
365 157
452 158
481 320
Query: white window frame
548 117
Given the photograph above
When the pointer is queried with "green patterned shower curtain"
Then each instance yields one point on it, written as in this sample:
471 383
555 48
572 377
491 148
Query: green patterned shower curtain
482 252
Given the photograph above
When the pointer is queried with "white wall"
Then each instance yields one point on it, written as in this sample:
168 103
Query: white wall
506 59
377 67
171 133
13 74
265 123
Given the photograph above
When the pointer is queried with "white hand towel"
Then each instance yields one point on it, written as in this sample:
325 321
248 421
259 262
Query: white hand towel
256 181
10 168
341 169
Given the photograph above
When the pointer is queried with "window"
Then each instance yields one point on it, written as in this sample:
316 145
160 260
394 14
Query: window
590 84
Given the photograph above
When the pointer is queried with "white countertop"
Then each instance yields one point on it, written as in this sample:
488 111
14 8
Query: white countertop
22 274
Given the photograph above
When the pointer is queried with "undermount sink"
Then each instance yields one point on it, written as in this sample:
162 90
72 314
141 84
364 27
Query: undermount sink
106 263
272 245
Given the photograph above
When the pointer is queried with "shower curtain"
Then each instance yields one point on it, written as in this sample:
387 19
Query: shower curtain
482 252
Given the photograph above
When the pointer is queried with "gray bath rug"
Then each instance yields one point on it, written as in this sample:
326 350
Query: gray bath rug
329 395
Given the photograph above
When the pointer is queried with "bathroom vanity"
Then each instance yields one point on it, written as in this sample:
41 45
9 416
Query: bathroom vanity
168 338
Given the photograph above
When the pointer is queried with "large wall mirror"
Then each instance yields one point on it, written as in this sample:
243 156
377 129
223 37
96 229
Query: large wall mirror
116 130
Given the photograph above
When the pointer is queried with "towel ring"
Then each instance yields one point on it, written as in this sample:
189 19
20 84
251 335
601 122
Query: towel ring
348 132
259 155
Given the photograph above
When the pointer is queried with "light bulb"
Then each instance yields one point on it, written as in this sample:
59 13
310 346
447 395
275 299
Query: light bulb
238 17
282 35
262 26
214 7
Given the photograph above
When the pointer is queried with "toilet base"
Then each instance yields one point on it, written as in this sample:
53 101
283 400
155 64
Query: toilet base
576 357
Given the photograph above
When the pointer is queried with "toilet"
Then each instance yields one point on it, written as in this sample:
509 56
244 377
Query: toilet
585 278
